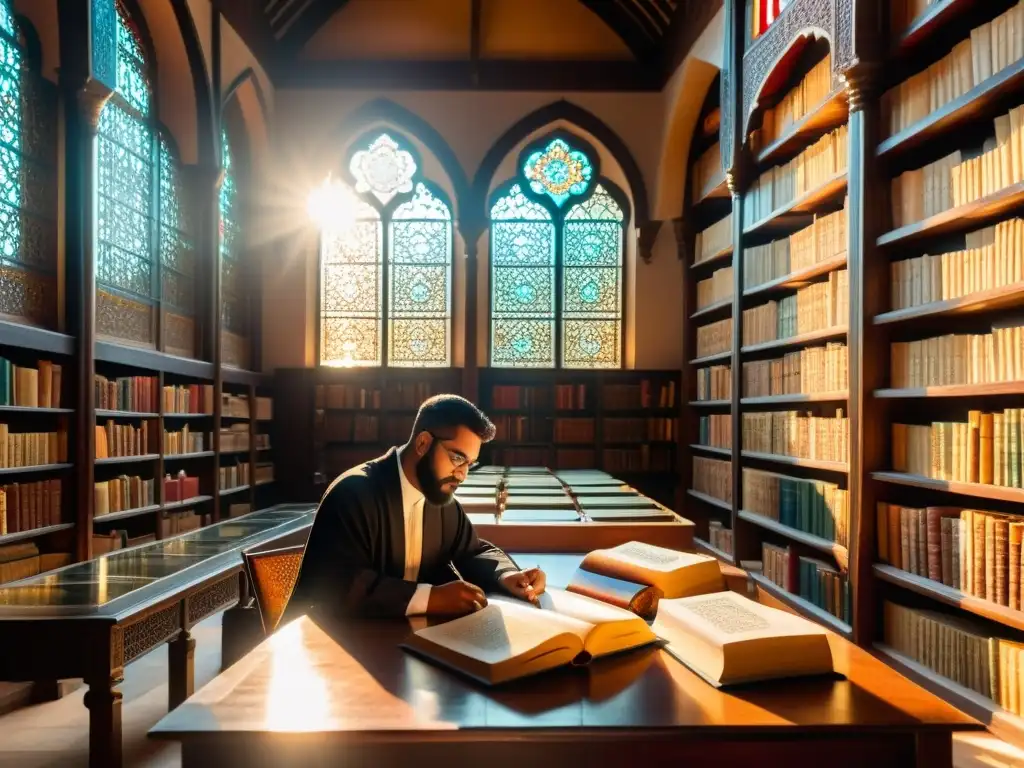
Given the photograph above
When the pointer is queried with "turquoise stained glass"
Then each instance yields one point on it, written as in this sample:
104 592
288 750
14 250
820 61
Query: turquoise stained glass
132 82
558 171
531 246
231 278
522 282
11 125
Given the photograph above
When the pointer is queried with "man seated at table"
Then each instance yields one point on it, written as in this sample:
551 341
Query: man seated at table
389 539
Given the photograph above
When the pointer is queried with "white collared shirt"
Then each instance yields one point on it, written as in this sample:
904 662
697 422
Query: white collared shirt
412 513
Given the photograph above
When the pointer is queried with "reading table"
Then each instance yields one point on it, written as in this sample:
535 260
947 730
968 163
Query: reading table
352 694
91 619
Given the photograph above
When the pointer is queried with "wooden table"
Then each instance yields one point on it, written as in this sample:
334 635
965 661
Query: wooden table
91 619
354 695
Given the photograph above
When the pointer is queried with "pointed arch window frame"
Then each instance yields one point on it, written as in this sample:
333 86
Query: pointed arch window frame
385 211
558 216
28 249
160 141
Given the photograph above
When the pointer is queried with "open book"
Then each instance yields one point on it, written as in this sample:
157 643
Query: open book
510 638
727 639
635 576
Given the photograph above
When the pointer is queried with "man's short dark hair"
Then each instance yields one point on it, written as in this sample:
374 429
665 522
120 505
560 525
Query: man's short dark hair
445 413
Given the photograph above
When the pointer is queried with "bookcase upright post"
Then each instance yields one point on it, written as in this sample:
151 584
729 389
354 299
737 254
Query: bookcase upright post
868 353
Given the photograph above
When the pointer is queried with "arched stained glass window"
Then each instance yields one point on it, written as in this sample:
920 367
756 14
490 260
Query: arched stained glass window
387 298
234 306
145 261
28 181
351 290
523 282
124 265
556 262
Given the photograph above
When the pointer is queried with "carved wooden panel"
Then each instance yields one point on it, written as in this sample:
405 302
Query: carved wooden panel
212 599
725 130
150 631
832 19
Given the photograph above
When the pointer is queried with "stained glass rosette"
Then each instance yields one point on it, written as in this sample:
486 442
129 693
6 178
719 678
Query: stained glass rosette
559 171
383 168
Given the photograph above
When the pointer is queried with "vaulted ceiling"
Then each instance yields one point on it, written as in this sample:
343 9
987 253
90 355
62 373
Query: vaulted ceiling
471 43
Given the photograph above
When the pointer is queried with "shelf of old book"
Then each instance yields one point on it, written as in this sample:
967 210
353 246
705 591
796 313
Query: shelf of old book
797 279
963 218
34 339
938 14
829 113
802 397
32 533
782 219
711 403
190 502
706 548
110 517
997 389
955 598
35 469
992 299
803 339
18 410
723 505
712 449
716 309
719 258
115 414
715 358
802 606
972 490
838 467
839 552
980 102
139 459
1002 723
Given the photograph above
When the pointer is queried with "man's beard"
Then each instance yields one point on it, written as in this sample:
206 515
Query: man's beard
429 484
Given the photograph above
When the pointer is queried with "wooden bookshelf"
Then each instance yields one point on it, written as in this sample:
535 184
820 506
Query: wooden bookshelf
818 218
965 124
706 221
624 422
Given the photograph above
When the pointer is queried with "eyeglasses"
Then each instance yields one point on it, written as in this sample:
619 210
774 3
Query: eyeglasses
457 459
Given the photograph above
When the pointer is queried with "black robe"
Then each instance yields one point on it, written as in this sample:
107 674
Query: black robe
354 561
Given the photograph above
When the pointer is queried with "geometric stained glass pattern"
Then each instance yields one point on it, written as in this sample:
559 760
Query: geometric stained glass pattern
28 176
408 251
522 282
419 281
132 83
127 262
177 259
383 168
559 171
351 291
536 247
592 283
232 293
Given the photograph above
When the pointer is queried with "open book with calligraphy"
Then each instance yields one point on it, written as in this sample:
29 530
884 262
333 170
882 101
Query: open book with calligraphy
510 638
728 639
635 576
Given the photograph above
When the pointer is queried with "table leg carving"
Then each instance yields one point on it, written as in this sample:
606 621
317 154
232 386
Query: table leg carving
181 658
103 701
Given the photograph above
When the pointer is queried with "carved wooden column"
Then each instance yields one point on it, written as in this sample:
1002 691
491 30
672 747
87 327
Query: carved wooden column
84 100
868 347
